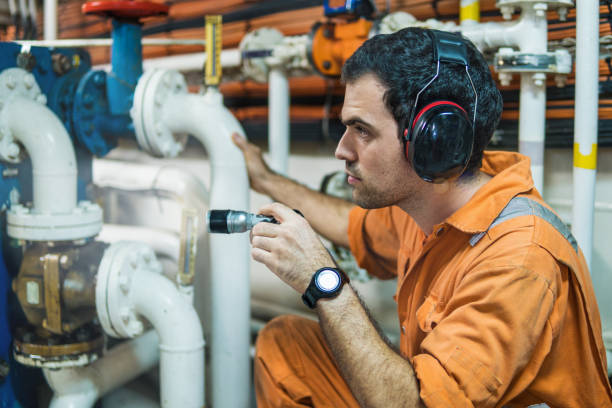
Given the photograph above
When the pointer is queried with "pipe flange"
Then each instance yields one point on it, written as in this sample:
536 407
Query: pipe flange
153 89
14 83
255 47
114 302
85 221
507 7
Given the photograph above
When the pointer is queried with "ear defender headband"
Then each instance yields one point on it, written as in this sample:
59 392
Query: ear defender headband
438 139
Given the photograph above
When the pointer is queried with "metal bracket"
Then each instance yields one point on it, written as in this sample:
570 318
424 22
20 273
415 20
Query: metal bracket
53 321
557 62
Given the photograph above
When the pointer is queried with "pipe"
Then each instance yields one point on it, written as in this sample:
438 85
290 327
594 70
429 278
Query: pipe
278 119
231 58
50 20
181 185
532 100
164 243
108 42
585 123
80 387
50 148
181 342
529 34
469 12
205 117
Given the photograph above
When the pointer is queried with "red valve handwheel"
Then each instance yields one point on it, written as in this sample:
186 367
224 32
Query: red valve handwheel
125 9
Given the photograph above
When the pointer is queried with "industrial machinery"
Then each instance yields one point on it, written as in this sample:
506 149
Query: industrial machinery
69 290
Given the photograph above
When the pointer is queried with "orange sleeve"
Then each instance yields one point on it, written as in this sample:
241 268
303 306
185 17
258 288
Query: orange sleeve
374 241
497 322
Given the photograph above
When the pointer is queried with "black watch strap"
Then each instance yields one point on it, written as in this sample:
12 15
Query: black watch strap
313 292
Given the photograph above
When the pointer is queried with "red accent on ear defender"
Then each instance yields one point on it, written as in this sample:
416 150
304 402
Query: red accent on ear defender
434 104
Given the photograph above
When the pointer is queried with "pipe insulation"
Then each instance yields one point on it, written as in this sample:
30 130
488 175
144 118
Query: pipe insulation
80 387
45 139
585 124
173 181
205 117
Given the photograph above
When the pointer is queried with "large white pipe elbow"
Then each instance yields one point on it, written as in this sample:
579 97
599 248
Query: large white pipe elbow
130 286
50 148
80 387
181 342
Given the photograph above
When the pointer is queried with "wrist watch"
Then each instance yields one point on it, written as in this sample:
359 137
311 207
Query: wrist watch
326 283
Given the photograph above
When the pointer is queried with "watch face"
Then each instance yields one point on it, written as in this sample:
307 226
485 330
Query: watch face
327 280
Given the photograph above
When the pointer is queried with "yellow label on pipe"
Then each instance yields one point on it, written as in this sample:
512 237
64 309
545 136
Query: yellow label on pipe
213 50
585 161
470 12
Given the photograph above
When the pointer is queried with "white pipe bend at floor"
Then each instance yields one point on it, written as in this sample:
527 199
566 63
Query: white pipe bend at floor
45 139
81 387
205 117
181 342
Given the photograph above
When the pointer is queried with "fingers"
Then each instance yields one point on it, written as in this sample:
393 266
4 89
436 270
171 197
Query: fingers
265 229
239 140
279 211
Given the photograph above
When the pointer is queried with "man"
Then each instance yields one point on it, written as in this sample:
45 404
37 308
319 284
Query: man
495 304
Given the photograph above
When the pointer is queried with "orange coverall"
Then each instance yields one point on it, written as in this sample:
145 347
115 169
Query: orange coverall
510 321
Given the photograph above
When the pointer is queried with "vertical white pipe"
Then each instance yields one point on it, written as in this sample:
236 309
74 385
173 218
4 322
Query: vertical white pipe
50 20
80 387
532 111
532 123
469 12
585 123
45 139
212 124
278 119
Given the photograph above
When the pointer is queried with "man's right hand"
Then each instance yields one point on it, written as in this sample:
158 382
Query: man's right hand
257 168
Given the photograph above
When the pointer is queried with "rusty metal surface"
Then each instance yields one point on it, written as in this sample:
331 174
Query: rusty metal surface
56 284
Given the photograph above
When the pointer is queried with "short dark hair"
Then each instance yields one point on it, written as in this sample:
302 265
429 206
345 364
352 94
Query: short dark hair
404 63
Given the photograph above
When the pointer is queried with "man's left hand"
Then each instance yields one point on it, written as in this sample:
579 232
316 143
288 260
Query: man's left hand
291 249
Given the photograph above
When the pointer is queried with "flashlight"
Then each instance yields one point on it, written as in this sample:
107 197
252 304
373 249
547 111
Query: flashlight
230 221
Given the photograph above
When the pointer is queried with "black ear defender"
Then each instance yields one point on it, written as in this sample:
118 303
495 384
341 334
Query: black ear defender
438 139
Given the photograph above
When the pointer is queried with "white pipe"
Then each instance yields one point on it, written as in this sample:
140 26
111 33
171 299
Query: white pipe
180 184
205 117
50 148
163 242
532 107
80 387
107 42
278 119
585 123
529 34
181 342
230 58
50 19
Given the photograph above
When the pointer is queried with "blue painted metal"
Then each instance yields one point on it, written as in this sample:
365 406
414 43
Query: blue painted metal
7 395
126 62
60 98
95 127
348 7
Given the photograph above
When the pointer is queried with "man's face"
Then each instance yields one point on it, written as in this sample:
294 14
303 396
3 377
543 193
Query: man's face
375 163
